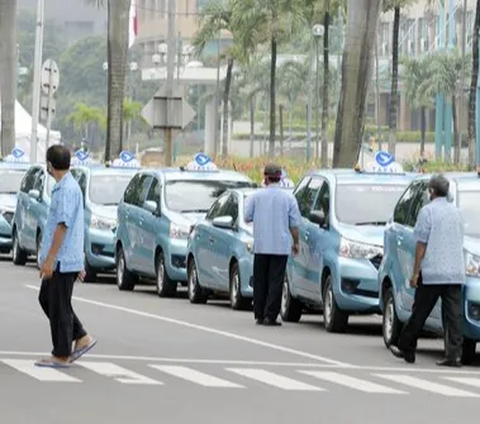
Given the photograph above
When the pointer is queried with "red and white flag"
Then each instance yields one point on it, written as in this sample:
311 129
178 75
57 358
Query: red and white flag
133 27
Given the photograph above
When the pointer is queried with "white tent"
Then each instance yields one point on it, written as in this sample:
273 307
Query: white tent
23 131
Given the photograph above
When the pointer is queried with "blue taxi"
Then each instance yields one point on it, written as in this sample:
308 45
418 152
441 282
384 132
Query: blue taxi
12 171
341 241
155 217
396 295
102 188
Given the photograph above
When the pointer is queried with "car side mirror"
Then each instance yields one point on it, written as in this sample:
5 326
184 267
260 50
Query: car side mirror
317 217
225 222
151 206
34 194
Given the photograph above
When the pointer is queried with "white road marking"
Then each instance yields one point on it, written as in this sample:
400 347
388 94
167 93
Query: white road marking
427 385
42 374
119 373
275 380
469 381
195 376
206 329
352 382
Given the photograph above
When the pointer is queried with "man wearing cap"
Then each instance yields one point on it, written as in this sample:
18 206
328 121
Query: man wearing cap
276 218
438 272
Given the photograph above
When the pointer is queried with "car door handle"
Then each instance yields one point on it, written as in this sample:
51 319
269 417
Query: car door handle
211 240
307 235
399 241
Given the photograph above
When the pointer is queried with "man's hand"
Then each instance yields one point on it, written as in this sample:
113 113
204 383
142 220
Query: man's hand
81 276
46 271
295 249
414 281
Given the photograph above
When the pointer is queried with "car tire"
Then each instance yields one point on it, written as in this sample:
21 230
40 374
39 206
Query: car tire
237 301
196 294
125 279
291 309
391 325
335 320
90 273
468 351
19 256
166 287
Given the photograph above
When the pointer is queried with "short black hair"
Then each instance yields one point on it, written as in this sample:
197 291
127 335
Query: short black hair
59 156
439 185
273 179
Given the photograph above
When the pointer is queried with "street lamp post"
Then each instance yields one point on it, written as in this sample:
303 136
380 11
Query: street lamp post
318 31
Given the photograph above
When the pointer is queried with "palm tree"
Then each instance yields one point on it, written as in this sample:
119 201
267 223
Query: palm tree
418 74
84 116
472 101
118 12
8 73
217 16
362 18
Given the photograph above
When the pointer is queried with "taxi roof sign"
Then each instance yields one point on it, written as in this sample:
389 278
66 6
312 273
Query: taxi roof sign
384 163
81 157
201 162
17 156
126 159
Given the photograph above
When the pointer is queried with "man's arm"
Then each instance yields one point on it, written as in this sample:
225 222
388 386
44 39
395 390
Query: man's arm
249 209
57 241
294 219
419 255
421 233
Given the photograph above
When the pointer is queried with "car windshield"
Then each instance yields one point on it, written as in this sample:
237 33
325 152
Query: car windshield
10 181
468 202
197 195
366 204
108 189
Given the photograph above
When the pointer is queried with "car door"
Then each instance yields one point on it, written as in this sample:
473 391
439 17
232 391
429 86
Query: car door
204 254
22 217
317 240
37 212
149 227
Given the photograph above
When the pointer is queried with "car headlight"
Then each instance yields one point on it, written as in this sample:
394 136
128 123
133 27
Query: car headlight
355 250
473 265
7 214
101 223
179 232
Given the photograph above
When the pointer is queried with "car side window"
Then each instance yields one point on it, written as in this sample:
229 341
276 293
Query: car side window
82 182
421 199
145 183
154 191
29 180
322 203
305 204
231 207
217 208
301 188
132 190
401 211
39 183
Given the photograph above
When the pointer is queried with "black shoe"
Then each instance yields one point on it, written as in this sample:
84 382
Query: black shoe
271 323
455 363
408 357
259 321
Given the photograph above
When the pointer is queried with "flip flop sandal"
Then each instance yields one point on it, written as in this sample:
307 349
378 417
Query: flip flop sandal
82 351
47 363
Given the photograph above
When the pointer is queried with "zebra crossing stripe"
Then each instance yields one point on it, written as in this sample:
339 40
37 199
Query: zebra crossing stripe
469 381
428 386
272 379
352 382
119 373
195 376
29 368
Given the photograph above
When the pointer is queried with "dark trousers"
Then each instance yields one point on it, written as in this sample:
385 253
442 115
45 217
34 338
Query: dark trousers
426 296
268 277
56 301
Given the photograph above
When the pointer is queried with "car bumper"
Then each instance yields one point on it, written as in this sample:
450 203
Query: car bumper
5 235
471 316
176 259
357 286
100 252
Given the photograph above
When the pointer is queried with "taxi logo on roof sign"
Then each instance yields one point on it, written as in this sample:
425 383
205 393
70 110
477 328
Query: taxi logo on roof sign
201 162
17 155
82 155
384 163
126 156
126 159
384 158
202 159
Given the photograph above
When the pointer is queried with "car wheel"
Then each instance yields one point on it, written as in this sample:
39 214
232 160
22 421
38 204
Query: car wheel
291 309
237 301
90 273
334 318
468 351
196 294
125 279
165 286
391 325
19 256
39 249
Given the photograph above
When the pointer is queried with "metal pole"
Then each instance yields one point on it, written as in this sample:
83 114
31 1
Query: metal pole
317 105
377 89
37 70
217 92
49 114
170 80
440 98
462 80
450 25
309 107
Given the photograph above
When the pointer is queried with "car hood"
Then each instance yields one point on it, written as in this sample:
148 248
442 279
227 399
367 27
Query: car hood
472 245
8 200
109 212
368 234
186 219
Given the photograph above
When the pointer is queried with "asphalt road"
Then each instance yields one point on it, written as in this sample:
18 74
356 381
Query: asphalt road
164 360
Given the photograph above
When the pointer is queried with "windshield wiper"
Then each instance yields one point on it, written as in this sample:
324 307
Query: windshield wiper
372 223
109 204
194 211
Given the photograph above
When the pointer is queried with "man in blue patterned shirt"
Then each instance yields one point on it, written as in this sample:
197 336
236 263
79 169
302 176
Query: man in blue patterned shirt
62 262
439 272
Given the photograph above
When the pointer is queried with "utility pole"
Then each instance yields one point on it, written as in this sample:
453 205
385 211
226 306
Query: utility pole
462 82
37 69
171 42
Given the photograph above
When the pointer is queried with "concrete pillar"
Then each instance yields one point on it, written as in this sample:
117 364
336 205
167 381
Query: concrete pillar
209 143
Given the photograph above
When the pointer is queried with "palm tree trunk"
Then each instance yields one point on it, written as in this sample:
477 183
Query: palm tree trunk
472 101
8 73
118 22
456 141
394 88
273 71
362 17
252 125
280 118
226 95
326 82
423 129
